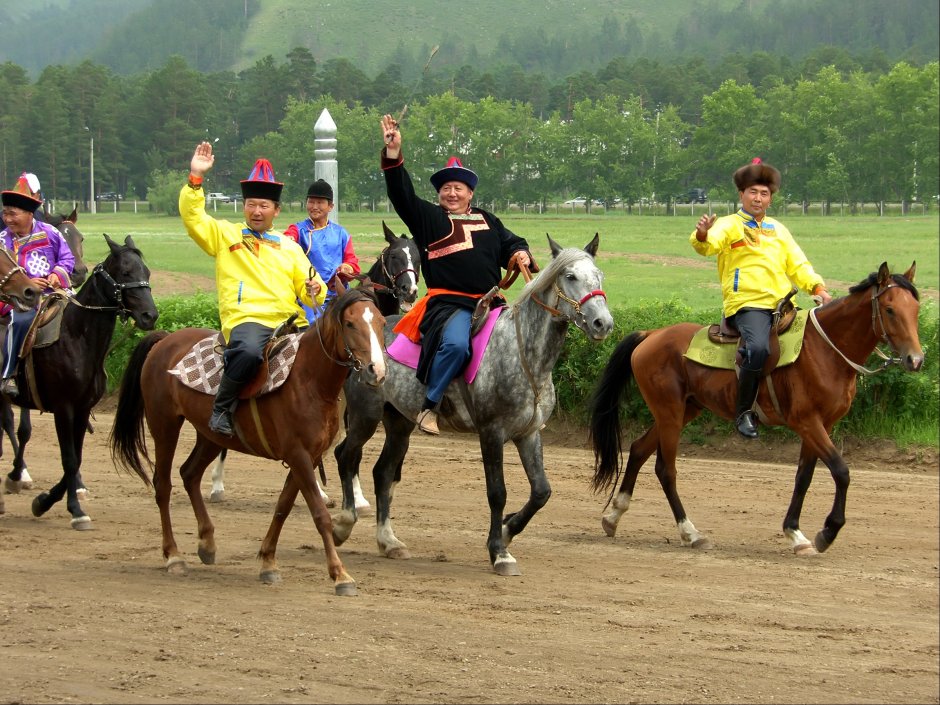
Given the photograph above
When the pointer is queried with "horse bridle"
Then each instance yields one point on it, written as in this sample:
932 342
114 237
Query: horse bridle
3 282
399 293
877 320
351 360
116 291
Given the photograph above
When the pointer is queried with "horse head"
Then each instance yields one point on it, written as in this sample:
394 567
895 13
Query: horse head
895 309
123 280
350 333
16 288
401 264
73 236
576 282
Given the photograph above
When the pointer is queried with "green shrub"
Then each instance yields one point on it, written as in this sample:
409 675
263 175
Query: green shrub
199 310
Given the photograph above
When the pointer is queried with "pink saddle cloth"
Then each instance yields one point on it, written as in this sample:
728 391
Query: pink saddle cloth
406 352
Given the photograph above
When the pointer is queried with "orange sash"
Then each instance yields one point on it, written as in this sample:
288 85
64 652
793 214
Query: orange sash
409 323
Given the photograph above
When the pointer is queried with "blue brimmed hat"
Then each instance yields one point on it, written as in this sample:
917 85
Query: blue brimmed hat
261 184
21 196
454 171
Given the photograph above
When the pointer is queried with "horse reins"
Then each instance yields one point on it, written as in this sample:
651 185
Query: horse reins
876 320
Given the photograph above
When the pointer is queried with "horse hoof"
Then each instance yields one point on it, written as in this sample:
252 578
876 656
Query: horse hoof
805 549
609 527
399 553
207 557
38 501
821 543
270 577
217 496
507 568
12 486
345 589
702 544
82 523
330 503
176 566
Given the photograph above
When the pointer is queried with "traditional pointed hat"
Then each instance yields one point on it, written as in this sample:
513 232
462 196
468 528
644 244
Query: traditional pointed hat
454 171
20 196
757 173
261 184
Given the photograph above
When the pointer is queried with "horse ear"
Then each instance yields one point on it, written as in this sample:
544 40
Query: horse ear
591 248
554 246
389 235
73 216
883 274
128 242
111 243
909 274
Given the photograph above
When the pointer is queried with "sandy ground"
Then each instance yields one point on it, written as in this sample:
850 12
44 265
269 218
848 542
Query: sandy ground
94 617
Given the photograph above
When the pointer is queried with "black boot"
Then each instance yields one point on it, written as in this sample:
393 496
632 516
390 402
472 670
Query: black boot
744 418
223 409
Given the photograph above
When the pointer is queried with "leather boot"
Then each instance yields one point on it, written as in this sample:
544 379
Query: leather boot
427 422
223 409
745 420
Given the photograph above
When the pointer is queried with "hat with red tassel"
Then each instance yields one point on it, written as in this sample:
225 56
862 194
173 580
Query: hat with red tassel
454 171
261 184
757 173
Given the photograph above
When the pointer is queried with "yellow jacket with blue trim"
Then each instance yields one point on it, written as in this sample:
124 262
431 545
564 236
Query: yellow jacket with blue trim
756 261
259 276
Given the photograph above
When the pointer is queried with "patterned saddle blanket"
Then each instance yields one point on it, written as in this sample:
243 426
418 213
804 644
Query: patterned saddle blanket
201 367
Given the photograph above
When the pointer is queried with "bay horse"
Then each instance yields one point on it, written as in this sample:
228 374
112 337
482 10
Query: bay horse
67 377
809 396
510 399
294 423
394 276
19 436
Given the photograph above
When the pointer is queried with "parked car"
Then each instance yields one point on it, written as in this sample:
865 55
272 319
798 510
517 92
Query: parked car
110 196
693 195
217 196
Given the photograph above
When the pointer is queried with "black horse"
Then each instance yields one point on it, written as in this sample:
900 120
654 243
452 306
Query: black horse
19 477
67 377
394 276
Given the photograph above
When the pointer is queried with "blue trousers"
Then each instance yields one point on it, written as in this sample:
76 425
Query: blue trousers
16 334
452 356
754 326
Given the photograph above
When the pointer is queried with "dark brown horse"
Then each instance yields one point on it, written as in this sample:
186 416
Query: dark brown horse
294 423
809 396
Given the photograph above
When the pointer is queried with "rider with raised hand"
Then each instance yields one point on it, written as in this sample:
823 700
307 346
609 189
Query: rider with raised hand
43 252
327 245
463 250
260 275
758 262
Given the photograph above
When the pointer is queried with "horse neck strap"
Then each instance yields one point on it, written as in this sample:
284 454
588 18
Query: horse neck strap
888 361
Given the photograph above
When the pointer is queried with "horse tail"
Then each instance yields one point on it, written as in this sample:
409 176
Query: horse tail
604 407
128 446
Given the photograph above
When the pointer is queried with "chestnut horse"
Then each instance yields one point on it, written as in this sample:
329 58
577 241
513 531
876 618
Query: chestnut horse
294 423
809 396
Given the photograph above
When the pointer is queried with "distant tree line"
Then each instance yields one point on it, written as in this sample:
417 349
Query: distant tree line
839 131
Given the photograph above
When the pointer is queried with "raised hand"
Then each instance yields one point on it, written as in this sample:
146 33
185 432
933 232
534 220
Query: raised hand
202 160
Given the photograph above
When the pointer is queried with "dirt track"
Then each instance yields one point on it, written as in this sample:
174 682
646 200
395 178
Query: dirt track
93 617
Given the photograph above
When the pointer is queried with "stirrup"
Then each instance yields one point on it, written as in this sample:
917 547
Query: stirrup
221 422
746 424
9 386
427 422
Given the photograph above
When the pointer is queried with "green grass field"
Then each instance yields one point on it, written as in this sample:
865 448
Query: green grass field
645 258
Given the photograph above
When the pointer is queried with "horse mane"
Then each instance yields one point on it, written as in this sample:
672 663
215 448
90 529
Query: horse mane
543 282
872 280
364 292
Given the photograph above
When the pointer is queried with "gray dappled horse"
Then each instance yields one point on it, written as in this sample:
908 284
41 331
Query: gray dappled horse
510 399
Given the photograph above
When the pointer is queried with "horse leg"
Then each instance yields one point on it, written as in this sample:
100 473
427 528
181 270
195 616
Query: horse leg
270 574
191 472
165 432
530 452
791 522
640 451
218 478
302 476
818 444
360 427
386 473
362 504
492 447
70 426
19 478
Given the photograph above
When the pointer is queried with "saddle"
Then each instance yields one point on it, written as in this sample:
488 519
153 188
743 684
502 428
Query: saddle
47 325
279 339
724 333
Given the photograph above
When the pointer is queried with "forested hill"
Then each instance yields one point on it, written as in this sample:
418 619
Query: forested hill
553 37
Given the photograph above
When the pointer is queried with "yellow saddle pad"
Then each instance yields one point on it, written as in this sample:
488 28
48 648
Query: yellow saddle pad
705 352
